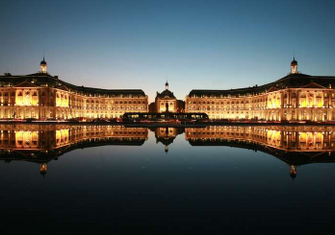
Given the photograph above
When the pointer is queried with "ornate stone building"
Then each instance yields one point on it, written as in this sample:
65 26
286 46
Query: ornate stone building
167 102
295 97
42 96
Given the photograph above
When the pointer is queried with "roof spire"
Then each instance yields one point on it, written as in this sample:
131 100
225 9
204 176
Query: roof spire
294 66
43 66
166 85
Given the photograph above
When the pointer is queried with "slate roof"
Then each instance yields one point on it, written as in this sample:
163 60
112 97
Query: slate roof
166 93
290 81
40 79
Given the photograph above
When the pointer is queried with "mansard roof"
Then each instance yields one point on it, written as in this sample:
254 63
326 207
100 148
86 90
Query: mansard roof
41 79
166 93
290 81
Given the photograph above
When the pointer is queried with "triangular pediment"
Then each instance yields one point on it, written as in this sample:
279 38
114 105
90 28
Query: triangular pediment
63 87
167 98
272 89
25 153
26 84
312 155
313 85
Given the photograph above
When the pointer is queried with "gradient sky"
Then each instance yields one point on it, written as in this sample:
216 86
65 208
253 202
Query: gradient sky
194 44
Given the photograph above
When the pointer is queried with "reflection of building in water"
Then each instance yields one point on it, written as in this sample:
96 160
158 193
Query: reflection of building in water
293 171
166 135
293 98
43 168
42 143
295 145
43 96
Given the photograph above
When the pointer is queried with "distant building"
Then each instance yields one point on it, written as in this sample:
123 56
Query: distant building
42 96
167 102
294 97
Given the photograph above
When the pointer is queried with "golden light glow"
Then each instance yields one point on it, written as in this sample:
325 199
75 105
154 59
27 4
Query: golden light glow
273 137
43 167
26 98
62 136
26 139
283 137
62 100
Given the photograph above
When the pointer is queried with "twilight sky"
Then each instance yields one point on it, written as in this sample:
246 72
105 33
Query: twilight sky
194 44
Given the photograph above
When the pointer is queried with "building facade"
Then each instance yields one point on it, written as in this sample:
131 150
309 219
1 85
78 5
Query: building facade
295 97
166 102
42 96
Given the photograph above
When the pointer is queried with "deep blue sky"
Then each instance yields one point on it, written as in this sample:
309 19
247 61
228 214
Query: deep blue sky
195 44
